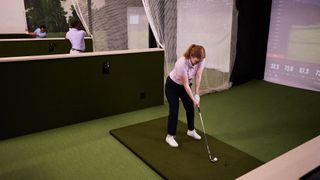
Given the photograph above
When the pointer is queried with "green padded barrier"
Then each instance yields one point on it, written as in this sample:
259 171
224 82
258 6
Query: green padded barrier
30 47
14 36
42 94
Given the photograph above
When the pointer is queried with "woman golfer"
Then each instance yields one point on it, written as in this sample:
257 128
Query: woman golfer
178 85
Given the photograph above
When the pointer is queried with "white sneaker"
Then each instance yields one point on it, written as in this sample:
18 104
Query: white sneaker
171 141
193 134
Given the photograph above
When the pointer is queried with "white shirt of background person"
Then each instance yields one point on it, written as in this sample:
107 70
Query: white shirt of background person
76 38
40 34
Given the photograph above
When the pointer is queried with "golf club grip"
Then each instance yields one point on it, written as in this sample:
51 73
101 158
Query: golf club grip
199 109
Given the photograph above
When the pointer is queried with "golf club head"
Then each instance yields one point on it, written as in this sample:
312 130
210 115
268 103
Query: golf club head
215 159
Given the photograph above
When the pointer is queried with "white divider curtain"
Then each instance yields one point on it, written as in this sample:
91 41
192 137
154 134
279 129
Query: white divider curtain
213 24
162 17
81 16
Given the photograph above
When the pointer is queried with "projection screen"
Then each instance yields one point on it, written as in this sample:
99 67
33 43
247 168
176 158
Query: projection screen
293 54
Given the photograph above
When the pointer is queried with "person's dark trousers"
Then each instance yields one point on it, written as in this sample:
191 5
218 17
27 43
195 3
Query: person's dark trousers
173 92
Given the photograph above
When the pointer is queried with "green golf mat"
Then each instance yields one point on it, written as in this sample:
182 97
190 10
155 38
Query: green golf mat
190 160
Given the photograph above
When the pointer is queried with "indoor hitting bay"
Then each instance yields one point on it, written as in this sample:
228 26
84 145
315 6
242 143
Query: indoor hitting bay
102 113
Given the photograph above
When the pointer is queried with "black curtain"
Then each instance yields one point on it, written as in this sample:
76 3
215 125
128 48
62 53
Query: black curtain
152 39
253 29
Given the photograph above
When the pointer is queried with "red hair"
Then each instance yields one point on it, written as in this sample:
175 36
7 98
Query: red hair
195 51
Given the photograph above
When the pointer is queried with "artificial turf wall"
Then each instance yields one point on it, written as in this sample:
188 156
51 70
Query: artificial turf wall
43 94
37 46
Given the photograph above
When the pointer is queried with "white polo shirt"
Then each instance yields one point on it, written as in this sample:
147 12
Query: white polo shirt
183 67
76 37
40 34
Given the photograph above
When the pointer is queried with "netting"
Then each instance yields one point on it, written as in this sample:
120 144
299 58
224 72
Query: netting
179 23
114 24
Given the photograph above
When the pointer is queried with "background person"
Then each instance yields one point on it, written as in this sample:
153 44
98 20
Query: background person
76 37
178 85
40 32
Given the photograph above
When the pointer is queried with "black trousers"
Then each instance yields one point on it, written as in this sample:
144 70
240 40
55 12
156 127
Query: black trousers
173 92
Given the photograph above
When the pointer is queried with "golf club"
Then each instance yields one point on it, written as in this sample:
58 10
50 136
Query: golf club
215 159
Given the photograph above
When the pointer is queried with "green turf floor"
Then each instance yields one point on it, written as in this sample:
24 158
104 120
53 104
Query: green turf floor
262 119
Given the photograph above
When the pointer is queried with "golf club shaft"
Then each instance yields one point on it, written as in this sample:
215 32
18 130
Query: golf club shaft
204 133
